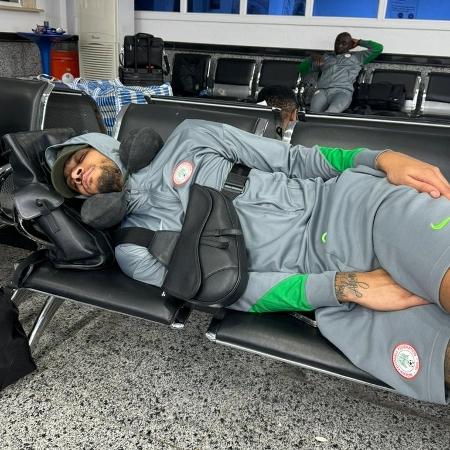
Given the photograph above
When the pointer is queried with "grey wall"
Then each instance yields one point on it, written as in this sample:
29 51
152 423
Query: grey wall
19 59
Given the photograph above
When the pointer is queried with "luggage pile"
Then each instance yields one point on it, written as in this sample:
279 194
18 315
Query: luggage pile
144 61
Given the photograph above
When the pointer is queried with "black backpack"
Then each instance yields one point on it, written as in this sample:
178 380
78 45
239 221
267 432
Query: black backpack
43 214
144 60
15 354
381 96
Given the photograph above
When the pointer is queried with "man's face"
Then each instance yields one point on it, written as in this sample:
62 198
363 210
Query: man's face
89 172
342 44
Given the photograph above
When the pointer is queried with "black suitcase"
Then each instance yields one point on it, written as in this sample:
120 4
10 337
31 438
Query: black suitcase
144 60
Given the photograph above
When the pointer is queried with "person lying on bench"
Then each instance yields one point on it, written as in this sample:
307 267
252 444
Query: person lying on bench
360 236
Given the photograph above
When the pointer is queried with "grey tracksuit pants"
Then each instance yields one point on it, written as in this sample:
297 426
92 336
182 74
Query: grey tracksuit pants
334 100
370 224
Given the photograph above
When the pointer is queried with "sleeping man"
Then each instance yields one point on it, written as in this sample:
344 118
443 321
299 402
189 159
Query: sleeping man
361 237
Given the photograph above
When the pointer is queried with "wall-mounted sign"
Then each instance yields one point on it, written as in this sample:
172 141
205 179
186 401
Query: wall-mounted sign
402 9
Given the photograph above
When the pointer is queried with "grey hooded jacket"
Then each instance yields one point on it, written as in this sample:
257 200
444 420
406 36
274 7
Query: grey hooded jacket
277 210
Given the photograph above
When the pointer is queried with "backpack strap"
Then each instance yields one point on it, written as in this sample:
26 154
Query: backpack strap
235 183
159 243
136 235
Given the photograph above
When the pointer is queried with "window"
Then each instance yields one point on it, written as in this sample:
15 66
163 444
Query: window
277 7
157 5
9 3
28 4
346 8
415 9
214 6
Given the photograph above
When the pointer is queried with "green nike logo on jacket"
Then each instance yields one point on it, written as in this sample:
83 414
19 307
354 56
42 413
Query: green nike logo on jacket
440 225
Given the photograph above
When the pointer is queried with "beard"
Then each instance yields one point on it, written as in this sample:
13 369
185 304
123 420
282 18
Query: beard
110 180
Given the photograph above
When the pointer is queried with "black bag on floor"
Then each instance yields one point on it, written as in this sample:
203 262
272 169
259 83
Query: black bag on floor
15 354
387 96
144 61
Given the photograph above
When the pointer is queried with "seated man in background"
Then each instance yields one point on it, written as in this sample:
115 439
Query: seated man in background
338 72
343 232
284 99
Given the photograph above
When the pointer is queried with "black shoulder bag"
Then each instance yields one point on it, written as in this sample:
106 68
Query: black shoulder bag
207 261
41 212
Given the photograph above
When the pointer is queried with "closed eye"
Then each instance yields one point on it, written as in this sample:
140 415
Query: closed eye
82 156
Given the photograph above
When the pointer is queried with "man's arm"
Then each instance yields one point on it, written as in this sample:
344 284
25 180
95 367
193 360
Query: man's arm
403 170
278 292
374 49
374 290
267 154
271 155
310 64
137 263
327 162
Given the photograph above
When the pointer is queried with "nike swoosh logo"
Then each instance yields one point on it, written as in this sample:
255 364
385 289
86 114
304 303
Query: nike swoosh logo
440 225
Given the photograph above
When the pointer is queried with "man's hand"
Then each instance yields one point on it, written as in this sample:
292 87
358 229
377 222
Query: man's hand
355 42
403 169
374 290
317 60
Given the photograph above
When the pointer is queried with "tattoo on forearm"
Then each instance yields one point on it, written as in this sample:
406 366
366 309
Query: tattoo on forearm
348 287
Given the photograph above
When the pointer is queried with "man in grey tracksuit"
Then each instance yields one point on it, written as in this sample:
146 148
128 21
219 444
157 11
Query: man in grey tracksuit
338 72
306 219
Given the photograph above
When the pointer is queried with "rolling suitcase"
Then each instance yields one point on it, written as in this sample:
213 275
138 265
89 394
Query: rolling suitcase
144 61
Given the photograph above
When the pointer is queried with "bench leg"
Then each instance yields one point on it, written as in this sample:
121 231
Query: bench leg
19 296
48 311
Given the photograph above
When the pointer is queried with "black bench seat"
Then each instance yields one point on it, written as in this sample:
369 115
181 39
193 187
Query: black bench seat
286 338
106 288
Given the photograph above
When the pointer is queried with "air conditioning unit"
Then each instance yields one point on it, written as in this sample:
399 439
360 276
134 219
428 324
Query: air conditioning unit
102 26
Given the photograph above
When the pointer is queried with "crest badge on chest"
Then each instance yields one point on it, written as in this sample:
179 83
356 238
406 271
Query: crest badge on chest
182 173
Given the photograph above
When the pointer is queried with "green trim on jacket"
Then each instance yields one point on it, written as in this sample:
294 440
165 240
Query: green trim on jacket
287 295
375 49
340 159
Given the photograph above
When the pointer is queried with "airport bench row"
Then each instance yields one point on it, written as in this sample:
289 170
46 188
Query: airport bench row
286 337
230 78
241 79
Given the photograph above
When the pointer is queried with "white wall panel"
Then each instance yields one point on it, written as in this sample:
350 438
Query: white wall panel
411 37
54 12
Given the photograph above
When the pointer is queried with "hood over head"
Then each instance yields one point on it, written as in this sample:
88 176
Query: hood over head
57 155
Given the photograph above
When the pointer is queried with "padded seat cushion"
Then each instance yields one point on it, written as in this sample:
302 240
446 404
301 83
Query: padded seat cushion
439 87
234 71
164 114
23 105
284 73
407 78
287 337
106 288
70 108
